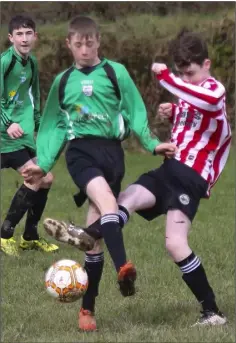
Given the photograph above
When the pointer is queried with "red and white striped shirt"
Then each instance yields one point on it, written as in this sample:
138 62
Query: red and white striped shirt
200 130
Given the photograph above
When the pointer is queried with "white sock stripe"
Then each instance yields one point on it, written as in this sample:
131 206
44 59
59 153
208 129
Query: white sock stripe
93 261
109 221
110 218
189 264
193 268
96 258
123 216
190 268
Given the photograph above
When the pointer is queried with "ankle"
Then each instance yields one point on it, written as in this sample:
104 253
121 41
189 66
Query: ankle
7 230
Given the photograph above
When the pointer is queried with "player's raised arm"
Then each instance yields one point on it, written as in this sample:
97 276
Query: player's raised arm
208 98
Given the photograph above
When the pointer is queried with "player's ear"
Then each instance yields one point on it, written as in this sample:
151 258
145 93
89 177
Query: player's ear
68 43
99 40
207 64
10 37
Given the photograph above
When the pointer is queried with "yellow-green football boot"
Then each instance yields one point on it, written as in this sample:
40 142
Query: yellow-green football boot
38 244
9 246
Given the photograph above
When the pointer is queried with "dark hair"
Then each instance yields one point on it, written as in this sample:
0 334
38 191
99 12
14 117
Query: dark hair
21 21
187 48
84 26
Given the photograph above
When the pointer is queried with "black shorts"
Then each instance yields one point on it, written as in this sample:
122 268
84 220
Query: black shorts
16 159
88 158
175 186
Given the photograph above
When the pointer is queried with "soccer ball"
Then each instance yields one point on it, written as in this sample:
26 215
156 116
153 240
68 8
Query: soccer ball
66 280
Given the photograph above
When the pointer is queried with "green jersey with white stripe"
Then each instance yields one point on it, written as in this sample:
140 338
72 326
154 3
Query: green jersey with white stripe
20 99
84 103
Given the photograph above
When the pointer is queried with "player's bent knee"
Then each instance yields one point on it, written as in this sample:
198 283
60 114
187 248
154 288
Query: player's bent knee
106 203
100 194
136 197
177 247
173 244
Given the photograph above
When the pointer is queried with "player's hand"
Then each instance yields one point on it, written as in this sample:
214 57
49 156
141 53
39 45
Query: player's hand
32 174
15 131
167 149
157 68
165 110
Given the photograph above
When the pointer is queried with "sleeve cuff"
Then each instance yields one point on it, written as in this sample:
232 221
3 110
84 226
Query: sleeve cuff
8 124
44 169
153 145
163 74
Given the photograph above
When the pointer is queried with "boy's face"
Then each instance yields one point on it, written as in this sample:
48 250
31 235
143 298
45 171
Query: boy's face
23 40
195 73
84 51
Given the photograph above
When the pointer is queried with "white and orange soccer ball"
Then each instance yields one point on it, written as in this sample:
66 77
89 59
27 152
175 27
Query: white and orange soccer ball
66 280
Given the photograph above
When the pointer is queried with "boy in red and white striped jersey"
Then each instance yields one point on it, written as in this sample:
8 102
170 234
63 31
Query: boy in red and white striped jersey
200 126
202 134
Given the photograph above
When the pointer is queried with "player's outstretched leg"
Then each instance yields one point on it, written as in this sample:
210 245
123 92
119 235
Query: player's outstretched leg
77 235
69 233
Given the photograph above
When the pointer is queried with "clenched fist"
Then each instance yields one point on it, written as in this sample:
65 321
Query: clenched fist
165 110
15 131
166 149
157 68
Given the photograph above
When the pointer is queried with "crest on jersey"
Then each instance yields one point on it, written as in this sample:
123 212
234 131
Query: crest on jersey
87 90
184 199
22 79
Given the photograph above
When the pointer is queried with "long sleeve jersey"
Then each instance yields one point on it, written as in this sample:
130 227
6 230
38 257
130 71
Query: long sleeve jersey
83 103
20 99
200 129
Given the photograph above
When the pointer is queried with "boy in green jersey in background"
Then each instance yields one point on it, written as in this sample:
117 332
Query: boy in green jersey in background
93 105
20 118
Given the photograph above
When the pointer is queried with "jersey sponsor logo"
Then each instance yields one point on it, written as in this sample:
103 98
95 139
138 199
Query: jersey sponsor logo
13 96
184 199
81 109
84 114
189 120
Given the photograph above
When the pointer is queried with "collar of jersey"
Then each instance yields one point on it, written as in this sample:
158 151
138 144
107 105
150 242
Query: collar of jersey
88 70
18 57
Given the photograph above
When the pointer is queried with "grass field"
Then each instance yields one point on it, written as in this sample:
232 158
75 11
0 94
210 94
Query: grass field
163 308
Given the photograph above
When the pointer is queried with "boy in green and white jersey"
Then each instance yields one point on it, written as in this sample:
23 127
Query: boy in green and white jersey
20 119
93 105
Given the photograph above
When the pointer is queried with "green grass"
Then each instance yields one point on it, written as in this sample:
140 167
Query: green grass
162 310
